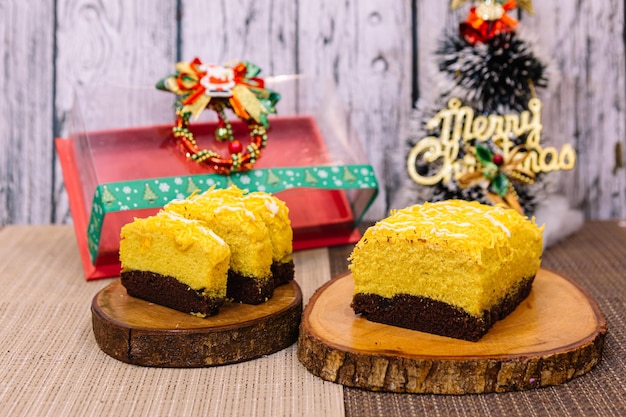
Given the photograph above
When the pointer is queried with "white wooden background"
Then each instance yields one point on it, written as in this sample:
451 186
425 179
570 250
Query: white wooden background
378 52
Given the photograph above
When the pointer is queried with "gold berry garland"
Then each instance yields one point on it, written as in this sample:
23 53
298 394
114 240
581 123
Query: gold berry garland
239 159
236 87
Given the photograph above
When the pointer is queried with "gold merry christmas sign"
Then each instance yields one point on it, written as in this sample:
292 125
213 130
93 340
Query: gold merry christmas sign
511 161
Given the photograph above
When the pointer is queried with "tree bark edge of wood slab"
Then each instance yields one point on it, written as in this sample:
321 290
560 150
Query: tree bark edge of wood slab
141 333
355 362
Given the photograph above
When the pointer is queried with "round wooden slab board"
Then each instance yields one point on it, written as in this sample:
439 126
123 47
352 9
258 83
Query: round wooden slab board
142 333
554 335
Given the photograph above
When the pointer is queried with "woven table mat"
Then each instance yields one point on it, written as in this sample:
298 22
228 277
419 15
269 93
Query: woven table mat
51 365
595 257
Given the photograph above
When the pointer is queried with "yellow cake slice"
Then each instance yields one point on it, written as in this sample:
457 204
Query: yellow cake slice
451 268
172 261
244 231
275 214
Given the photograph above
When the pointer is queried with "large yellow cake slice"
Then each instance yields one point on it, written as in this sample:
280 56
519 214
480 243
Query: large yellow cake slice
244 231
176 262
451 268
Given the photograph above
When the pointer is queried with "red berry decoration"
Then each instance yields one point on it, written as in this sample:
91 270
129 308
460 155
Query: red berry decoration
498 159
235 147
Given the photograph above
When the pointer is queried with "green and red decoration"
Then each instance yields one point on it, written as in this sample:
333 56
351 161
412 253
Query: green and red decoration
497 174
488 18
234 86
154 193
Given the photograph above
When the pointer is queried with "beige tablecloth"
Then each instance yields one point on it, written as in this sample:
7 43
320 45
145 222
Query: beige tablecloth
51 365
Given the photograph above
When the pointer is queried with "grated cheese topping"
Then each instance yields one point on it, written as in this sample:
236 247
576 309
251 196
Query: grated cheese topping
453 223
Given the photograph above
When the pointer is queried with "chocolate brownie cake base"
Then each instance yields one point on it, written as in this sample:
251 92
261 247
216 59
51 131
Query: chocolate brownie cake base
169 292
432 316
247 290
282 273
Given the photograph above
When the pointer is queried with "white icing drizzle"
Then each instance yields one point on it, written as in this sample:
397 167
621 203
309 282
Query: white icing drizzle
214 236
234 209
498 224
445 232
271 205
175 216
398 227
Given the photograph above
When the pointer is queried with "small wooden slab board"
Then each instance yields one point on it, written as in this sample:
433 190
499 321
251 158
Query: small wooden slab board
554 335
142 333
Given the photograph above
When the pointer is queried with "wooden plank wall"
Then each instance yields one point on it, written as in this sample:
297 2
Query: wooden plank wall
377 52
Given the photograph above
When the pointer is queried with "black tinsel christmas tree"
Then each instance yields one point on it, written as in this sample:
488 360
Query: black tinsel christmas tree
489 68
497 76
477 134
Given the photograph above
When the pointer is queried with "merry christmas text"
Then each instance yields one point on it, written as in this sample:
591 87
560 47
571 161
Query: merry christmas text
458 124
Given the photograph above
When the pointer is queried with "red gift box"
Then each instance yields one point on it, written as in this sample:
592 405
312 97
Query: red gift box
113 176
321 214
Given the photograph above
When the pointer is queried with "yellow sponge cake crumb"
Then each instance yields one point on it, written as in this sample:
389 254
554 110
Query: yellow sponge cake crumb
275 214
469 260
222 244
256 229
185 253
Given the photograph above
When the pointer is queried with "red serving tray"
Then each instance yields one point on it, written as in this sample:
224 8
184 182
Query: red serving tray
319 217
